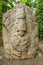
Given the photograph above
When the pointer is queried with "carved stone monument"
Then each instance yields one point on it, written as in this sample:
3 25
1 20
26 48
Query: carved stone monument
20 32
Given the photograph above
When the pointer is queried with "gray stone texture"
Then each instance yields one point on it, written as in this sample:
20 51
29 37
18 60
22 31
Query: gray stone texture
20 32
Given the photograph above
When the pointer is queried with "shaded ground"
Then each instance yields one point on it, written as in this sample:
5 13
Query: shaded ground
34 61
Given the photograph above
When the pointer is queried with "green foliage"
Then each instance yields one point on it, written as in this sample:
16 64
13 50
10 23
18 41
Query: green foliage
24 1
10 4
0 20
39 12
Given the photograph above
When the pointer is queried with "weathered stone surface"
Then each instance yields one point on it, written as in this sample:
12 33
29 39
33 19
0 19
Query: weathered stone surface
20 33
41 46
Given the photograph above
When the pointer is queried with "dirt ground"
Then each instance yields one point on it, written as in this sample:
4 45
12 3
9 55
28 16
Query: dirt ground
38 60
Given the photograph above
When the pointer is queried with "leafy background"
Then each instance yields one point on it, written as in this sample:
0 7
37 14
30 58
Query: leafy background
36 5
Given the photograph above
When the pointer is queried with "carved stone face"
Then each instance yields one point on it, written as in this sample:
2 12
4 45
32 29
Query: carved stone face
20 22
20 26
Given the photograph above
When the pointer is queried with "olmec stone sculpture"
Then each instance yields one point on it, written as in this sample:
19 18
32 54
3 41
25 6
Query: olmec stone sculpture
20 33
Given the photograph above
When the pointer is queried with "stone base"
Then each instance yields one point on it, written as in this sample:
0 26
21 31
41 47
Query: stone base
23 56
